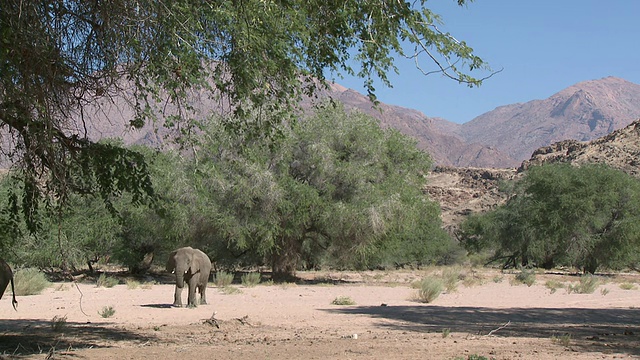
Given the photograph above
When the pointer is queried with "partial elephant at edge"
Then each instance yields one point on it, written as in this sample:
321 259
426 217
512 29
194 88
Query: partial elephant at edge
193 267
6 277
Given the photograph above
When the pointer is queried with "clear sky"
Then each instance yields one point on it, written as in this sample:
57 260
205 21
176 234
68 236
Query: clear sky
543 46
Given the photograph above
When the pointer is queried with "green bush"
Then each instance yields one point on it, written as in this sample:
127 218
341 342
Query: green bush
106 281
587 285
30 281
429 288
526 276
250 279
343 300
107 311
223 279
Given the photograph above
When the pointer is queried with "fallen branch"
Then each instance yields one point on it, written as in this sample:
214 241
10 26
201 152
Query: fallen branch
501 327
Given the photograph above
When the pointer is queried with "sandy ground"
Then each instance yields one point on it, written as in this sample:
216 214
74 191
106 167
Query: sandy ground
490 318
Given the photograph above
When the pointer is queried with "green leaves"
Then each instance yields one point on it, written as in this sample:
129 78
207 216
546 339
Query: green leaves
564 215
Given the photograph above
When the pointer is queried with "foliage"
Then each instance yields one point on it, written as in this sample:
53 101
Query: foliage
343 300
29 281
336 190
107 311
587 285
586 216
450 278
628 286
429 288
250 279
526 276
59 323
60 59
223 279
553 285
106 281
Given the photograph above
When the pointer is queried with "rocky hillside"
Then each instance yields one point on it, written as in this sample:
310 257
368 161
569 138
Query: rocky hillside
462 191
582 112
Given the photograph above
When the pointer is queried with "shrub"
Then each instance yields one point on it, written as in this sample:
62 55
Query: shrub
450 277
59 323
343 300
250 279
30 281
106 281
132 284
526 276
229 290
627 286
587 285
107 311
554 285
429 289
223 279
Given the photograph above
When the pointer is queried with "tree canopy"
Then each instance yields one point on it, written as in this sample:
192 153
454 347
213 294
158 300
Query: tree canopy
561 215
58 57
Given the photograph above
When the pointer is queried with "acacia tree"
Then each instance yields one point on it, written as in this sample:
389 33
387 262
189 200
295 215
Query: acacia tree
58 57
586 216
336 190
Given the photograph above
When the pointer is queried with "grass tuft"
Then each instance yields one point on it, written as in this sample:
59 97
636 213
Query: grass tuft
343 300
251 279
106 281
587 285
429 289
30 281
526 276
107 311
59 323
223 279
627 286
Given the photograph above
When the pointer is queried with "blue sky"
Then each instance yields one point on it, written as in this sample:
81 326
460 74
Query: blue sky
543 46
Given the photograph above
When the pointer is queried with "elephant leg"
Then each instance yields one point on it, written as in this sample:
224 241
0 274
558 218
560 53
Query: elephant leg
203 294
193 284
177 298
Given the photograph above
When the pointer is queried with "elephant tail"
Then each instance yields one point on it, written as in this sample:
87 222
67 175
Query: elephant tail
14 302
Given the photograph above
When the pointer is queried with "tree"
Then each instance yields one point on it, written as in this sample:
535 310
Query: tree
336 190
584 216
59 57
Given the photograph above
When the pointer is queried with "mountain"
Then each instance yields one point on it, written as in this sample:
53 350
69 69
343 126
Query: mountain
509 134
501 138
582 112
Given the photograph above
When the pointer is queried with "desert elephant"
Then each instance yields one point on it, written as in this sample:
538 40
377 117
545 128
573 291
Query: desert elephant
193 267
6 277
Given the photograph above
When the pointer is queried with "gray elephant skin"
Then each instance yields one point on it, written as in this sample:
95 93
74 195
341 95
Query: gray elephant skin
190 266
6 277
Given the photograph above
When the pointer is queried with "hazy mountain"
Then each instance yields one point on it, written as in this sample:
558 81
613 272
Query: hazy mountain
584 111
501 138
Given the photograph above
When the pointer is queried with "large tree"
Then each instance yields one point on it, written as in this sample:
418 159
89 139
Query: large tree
58 57
563 215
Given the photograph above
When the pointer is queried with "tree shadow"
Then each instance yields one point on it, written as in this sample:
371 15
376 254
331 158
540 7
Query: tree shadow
604 330
29 337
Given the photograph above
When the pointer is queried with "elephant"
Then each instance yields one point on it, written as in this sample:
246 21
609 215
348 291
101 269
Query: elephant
6 276
193 267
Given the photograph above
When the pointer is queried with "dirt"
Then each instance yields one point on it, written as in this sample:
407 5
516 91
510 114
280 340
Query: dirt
486 315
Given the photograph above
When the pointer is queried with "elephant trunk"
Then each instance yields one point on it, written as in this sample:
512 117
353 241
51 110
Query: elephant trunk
180 277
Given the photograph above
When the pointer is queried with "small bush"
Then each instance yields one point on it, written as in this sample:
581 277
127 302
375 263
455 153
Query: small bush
59 323
587 285
450 278
229 290
446 332
343 300
429 289
604 291
147 285
107 311
132 284
564 340
222 279
526 276
554 285
498 279
627 286
106 281
30 282
251 279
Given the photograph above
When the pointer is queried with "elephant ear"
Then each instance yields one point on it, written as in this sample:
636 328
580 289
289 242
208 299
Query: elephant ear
171 262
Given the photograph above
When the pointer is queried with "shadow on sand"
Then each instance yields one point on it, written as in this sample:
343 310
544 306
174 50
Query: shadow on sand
605 330
29 337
